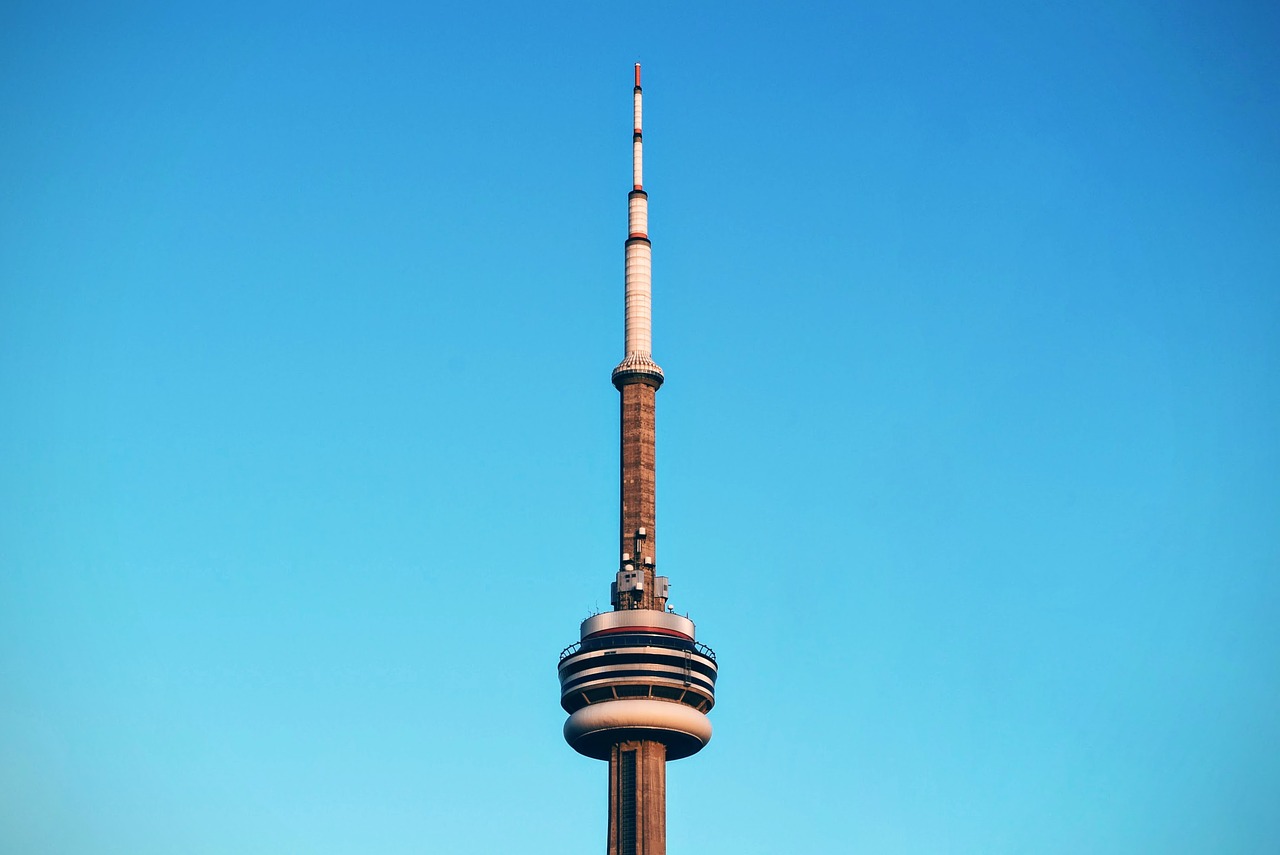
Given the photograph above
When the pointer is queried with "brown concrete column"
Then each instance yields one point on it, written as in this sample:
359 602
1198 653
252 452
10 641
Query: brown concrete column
639 482
638 799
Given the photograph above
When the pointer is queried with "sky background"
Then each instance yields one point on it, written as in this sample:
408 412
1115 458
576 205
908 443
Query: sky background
968 458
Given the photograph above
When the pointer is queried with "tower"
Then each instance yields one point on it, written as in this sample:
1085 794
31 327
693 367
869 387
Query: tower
637 686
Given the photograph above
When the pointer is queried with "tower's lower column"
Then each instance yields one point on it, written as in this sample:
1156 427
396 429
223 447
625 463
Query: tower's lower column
638 799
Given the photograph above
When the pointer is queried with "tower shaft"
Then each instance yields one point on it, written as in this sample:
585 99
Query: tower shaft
638 798
638 500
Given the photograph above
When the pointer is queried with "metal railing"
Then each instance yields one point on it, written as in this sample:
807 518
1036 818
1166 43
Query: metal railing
637 640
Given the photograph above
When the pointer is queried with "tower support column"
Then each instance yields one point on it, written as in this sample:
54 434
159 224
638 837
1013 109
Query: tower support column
638 798
639 488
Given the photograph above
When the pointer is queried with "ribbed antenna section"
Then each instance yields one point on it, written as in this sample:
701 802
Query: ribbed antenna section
637 362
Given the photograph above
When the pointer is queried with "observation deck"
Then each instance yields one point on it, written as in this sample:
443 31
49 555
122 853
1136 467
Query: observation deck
637 674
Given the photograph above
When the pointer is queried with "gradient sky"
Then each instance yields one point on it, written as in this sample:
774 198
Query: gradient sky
968 455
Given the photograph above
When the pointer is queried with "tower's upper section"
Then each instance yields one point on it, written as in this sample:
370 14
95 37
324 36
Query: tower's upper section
637 364
637 672
638 377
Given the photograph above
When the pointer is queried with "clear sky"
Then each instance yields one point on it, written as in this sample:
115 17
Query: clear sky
968 457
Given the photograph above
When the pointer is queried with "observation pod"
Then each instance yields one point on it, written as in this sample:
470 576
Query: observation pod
637 674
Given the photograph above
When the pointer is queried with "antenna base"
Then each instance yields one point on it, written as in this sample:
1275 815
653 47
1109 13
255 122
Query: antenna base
637 368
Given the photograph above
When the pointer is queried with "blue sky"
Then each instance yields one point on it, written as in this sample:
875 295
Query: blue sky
967 455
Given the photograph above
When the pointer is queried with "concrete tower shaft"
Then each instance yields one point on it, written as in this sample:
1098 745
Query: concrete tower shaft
637 585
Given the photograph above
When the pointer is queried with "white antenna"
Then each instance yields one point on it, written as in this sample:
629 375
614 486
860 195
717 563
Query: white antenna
639 271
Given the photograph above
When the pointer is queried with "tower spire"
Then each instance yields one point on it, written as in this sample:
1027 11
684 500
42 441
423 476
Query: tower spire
637 360
637 141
